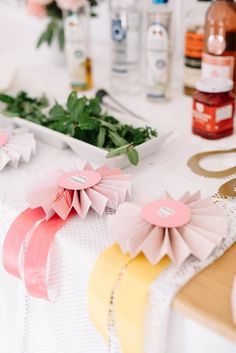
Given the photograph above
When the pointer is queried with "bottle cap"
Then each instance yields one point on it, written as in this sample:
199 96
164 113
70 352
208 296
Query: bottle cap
214 85
159 1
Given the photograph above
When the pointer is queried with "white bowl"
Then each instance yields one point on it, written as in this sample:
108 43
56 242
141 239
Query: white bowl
90 152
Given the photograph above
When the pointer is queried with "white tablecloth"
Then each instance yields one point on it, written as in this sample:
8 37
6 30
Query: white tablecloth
64 326
30 325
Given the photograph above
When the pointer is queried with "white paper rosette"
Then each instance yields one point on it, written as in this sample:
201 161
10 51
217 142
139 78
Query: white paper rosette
16 145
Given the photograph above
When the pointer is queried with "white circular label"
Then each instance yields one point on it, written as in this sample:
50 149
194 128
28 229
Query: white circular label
165 212
80 179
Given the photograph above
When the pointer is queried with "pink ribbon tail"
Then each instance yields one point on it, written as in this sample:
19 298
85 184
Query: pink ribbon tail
37 250
15 238
36 257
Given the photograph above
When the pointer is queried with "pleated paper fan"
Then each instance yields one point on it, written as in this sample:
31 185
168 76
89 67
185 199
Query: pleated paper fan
178 229
80 190
52 201
16 145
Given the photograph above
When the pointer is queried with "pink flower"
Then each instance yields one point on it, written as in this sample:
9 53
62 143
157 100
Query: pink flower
72 5
35 9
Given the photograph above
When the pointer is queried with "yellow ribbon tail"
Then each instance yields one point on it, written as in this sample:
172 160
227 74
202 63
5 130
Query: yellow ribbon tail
102 279
132 300
134 278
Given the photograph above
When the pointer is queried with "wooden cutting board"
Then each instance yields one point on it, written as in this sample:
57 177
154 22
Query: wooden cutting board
207 297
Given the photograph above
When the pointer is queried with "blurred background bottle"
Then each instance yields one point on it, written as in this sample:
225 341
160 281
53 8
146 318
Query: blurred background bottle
220 41
158 50
194 44
77 44
126 45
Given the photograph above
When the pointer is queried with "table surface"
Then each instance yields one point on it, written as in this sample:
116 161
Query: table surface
206 298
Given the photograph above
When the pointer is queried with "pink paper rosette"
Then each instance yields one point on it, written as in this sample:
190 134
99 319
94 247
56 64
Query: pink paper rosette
80 190
176 228
52 201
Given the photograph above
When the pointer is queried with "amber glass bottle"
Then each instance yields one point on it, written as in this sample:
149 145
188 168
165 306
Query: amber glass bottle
219 59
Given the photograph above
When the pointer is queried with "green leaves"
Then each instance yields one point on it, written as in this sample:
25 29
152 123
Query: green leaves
116 139
118 151
61 38
25 107
101 137
128 149
83 119
46 36
110 126
6 99
94 107
63 126
133 155
72 99
54 11
53 31
56 112
87 123
78 110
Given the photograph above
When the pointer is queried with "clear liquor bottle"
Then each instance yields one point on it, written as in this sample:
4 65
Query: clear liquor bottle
158 50
77 45
126 44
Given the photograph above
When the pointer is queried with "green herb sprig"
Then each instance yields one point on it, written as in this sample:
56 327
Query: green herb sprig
83 119
25 107
55 30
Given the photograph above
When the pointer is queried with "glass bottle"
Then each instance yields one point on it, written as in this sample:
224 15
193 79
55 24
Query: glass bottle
158 50
220 41
194 44
77 45
126 42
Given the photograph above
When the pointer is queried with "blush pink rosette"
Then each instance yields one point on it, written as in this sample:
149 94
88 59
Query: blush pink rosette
176 228
80 190
52 202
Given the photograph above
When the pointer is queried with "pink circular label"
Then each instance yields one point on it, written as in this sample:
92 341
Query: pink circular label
166 213
79 179
3 138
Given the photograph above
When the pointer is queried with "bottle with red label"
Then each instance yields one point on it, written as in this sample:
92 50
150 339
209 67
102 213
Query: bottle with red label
213 108
219 58
194 44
